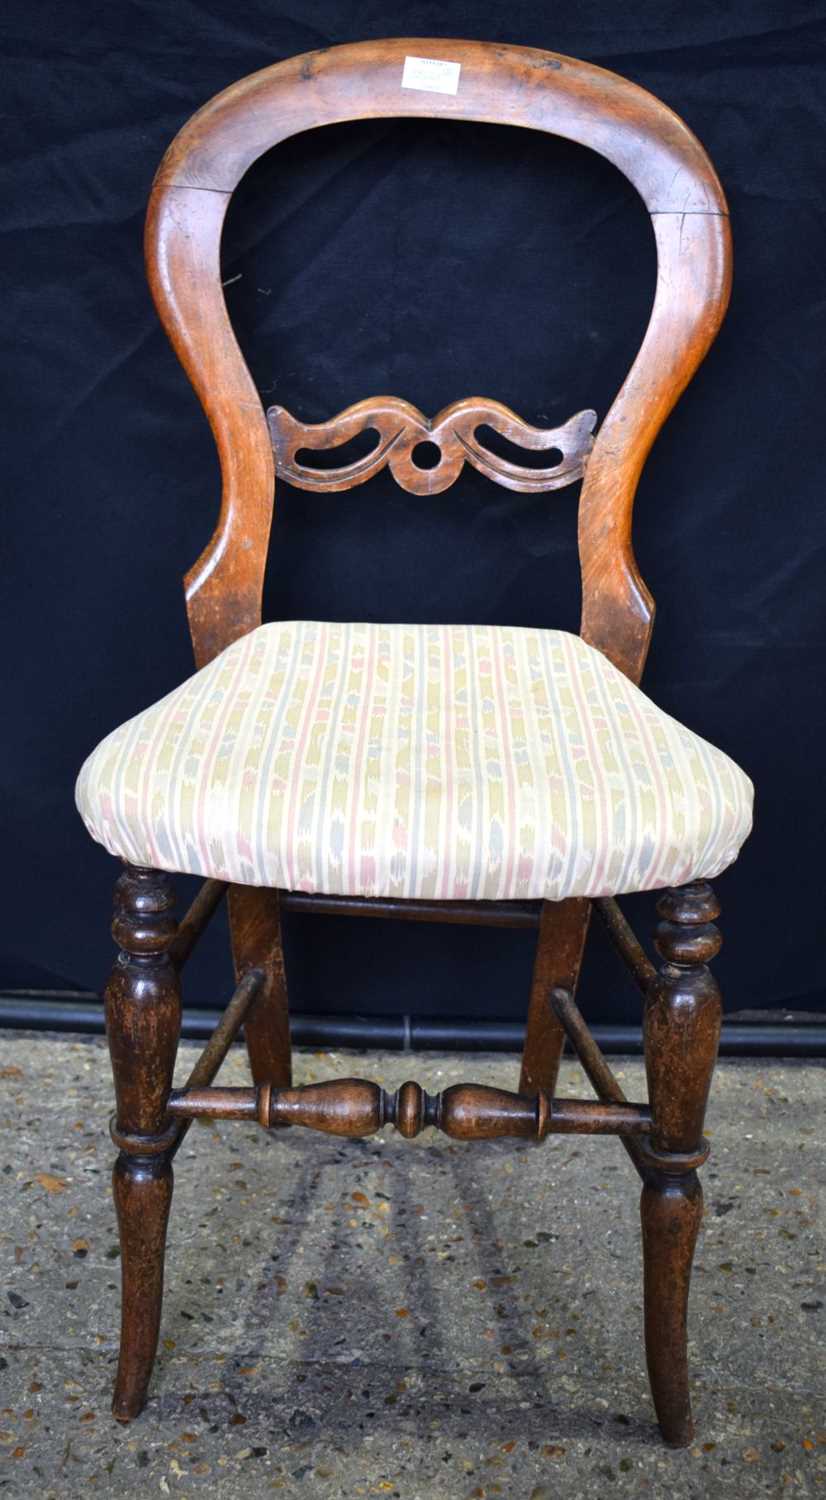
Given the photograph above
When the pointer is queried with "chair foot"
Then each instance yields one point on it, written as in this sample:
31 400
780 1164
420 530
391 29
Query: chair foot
143 1193
671 1210
681 1031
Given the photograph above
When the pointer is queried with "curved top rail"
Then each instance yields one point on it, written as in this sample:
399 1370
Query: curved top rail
510 85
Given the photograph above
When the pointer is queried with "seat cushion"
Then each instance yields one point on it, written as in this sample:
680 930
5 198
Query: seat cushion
449 762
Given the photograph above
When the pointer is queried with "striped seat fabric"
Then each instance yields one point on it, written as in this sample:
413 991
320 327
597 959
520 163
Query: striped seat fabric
449 762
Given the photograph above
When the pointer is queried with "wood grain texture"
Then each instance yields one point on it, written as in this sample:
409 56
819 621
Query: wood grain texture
142 1189
518 86
255 930
681 1030
563 928
671 1211
143 1022
524 914
222 1038
524 88
354 1107
594 1065
400 428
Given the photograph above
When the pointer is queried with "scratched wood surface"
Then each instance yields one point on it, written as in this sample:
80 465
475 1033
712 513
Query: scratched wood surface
517 86
400 430
524 88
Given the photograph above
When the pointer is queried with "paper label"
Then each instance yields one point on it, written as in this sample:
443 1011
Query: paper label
431 74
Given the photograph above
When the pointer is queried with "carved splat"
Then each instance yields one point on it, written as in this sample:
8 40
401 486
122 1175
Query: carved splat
400 429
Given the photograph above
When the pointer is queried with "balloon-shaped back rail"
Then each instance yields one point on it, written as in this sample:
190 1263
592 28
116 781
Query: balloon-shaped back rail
515 86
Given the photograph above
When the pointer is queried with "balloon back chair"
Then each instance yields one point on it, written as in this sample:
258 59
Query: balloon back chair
476 774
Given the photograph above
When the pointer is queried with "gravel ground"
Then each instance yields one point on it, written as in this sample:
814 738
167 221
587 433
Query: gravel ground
427 1320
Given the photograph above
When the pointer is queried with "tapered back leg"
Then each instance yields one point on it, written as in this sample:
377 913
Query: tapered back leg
255 927
563 928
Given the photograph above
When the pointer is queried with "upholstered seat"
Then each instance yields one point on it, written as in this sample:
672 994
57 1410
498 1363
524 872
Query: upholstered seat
450 762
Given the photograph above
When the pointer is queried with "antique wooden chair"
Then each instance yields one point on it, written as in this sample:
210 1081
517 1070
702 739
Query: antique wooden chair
466 774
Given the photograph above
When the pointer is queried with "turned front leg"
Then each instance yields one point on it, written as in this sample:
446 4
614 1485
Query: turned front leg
143 1022
681 1031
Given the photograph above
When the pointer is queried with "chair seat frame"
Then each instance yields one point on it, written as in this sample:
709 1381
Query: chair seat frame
526 88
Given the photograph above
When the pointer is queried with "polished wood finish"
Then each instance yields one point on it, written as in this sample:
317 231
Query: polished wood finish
400 428
530 89
227 1029
143 1021
519 86
663 1138
354 1107
255 930
681 1031
220 1042
671 1209
460 913
563 928
693 287
594 1065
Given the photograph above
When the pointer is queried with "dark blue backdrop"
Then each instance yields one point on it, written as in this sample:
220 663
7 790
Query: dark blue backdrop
427 261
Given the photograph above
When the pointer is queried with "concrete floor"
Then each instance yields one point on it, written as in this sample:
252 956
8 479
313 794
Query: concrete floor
424 1320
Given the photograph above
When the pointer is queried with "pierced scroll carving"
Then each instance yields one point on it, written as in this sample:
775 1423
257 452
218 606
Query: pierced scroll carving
400 430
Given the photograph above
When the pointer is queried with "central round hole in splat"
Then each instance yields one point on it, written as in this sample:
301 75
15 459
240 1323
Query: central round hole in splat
427 455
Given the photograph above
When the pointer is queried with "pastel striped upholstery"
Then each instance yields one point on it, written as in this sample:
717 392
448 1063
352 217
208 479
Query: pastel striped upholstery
450 762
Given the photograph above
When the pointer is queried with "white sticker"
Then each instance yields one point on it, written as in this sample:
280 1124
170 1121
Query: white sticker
431 74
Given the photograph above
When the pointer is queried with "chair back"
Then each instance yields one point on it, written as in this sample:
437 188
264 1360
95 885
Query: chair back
459 80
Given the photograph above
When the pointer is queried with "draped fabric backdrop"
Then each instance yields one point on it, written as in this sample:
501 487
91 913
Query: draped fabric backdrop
430 261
